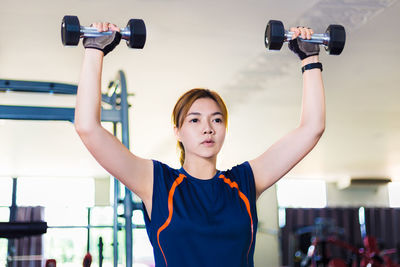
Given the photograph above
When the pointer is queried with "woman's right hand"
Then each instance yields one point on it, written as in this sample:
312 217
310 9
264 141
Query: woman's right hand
303 49
104 43
134 172
105 26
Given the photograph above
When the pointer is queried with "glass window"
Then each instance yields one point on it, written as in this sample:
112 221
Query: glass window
60 192
66 203
5 191
107 237
66 246
66 216
282 217
101 216
394 194
3 251
4 214
298 193
138 217
142 249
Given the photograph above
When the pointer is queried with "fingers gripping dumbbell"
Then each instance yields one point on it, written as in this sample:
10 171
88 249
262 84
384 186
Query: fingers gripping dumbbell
333 39
71 31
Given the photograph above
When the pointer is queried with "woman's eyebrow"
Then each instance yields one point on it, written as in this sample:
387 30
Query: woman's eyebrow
198 113
193 113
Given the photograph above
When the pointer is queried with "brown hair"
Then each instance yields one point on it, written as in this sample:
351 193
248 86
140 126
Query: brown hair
183 105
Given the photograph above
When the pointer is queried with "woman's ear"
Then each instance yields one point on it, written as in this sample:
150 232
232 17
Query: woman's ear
176 132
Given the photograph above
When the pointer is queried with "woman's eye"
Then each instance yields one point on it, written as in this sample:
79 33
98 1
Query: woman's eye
218 120
194 120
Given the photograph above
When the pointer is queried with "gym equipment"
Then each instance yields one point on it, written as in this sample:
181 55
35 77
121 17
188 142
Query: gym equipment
333 39
318 254
315 250
51 263
22 229
115 111
101 257
71 31
87 260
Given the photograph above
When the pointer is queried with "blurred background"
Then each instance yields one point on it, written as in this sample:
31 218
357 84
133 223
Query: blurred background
217 45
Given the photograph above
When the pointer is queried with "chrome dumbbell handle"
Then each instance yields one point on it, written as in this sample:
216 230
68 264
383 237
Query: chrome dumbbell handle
316 38
93 32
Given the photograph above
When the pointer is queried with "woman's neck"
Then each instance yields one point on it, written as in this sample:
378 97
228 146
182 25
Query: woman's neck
200 168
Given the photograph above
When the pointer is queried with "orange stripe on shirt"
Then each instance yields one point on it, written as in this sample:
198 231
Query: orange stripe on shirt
170 209
246 202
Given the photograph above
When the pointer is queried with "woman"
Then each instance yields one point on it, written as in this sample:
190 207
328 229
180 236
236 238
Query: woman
198 215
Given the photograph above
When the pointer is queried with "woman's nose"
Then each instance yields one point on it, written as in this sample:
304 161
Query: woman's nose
208 129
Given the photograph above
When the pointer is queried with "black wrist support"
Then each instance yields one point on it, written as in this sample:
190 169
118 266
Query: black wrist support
311 66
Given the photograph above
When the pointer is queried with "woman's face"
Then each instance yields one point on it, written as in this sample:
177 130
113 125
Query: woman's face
203 130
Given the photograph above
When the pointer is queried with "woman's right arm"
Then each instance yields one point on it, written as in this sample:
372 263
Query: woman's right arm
134 172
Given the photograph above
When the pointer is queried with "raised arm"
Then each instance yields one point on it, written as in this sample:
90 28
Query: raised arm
134 172
283 155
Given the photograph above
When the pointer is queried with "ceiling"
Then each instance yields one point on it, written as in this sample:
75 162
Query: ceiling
217 45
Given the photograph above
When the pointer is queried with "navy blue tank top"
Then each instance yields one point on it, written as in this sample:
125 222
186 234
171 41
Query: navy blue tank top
203 223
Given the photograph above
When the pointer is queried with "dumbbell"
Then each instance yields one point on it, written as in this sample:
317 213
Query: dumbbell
71 31
333 39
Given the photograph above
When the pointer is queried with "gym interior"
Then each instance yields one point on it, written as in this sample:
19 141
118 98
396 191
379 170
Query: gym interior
58 206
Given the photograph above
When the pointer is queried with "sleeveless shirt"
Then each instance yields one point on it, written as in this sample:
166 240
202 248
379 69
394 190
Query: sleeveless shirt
203 223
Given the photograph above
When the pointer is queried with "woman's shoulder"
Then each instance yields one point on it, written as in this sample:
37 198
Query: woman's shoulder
241 170
164 170
242 175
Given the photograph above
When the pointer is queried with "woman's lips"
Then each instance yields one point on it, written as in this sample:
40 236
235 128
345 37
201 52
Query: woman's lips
208 142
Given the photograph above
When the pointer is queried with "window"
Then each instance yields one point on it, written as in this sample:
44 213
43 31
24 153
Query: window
394 194
4 214
66 202
296 193
66 216
58 192
5 191
66 246
3 251
5 202
142 249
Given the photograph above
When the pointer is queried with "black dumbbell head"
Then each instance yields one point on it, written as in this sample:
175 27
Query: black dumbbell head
337 39
70 30
138 33
274 35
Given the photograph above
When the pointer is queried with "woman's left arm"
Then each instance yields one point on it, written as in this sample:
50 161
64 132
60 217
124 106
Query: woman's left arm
283 155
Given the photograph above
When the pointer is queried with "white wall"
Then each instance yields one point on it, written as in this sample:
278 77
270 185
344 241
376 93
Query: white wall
267 245
366 196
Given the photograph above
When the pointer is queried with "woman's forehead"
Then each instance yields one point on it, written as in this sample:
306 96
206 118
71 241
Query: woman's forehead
204 105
